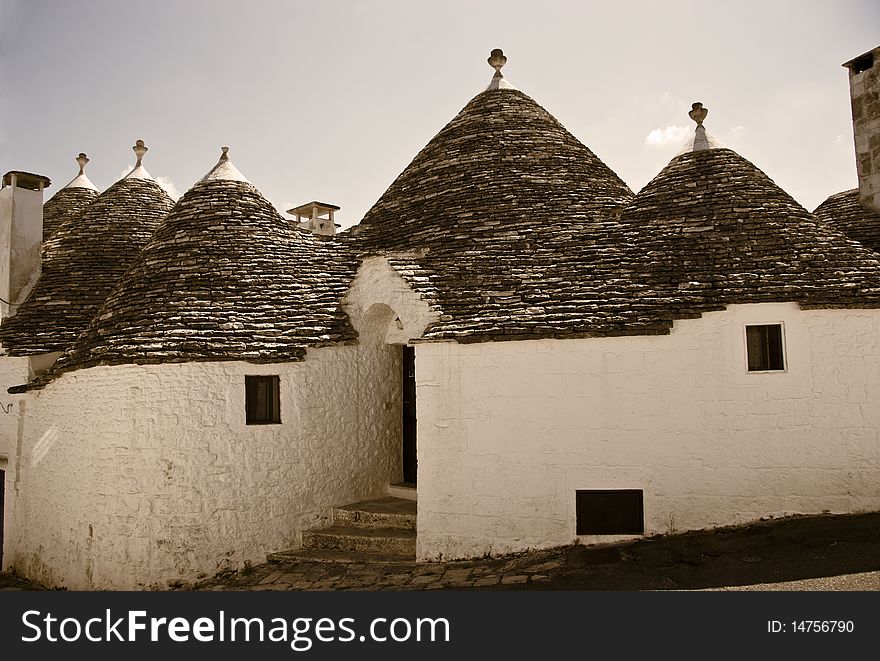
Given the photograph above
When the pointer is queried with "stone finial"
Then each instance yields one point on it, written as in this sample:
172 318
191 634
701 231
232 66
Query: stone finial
496 60
81 160
139 149
224 170
698 113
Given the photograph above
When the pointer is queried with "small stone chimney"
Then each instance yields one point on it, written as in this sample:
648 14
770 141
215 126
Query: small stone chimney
317 217
864 87
21 236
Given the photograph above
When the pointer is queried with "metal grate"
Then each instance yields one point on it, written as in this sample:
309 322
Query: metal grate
610 512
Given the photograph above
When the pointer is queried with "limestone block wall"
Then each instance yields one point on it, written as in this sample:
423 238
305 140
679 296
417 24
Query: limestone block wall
136 476
508 431
864 84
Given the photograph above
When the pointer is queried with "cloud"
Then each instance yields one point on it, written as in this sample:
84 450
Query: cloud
169 187
671 135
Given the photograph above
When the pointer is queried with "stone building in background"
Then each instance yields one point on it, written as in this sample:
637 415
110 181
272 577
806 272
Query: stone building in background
510 351
857 212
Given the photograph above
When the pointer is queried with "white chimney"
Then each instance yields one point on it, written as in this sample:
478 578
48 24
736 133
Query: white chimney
21 236
317 217
864 88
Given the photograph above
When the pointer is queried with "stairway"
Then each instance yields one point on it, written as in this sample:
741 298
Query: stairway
382 530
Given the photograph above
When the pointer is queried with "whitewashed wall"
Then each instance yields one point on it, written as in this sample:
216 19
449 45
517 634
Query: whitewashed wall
134 476
508 431
13 372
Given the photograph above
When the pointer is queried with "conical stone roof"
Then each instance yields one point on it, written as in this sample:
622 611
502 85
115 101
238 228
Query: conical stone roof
846 213
224 277
86 257
503 165
709 231
713 230
497 207
69 201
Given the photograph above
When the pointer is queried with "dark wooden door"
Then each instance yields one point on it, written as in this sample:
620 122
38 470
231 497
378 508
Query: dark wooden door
409 415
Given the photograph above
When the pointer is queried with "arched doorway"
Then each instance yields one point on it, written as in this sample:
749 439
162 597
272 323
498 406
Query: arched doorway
381 329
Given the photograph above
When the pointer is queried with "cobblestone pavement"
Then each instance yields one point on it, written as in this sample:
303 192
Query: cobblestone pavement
535 568
797 553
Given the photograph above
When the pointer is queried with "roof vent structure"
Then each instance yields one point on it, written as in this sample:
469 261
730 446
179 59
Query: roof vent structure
316 217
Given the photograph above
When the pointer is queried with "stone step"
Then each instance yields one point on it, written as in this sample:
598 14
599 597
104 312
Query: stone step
388 512
406 490
343 557
361 540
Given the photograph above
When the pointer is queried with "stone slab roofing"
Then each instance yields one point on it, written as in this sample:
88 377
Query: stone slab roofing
500 218
86 257
66 203
502 167
713 230
846 213
709 231
225 277
70 200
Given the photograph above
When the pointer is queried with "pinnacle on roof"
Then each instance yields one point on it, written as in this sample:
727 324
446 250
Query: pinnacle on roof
498 59
224 170
81 180
139 172
700 140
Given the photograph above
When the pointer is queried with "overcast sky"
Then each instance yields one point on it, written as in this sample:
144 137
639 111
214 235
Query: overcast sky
331 100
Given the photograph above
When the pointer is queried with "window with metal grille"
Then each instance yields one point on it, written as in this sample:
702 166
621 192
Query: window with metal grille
262 396
610 512
764 348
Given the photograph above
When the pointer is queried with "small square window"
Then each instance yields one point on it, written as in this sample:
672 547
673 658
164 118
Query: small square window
764 348
610 512
262 396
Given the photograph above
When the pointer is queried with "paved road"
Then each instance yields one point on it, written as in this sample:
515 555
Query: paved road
866 581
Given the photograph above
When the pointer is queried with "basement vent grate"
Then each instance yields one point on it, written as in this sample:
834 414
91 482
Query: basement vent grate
610 512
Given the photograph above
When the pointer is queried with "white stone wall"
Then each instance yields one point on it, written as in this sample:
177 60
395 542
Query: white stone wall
21 236
383 307
13 372
136 476
508 431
